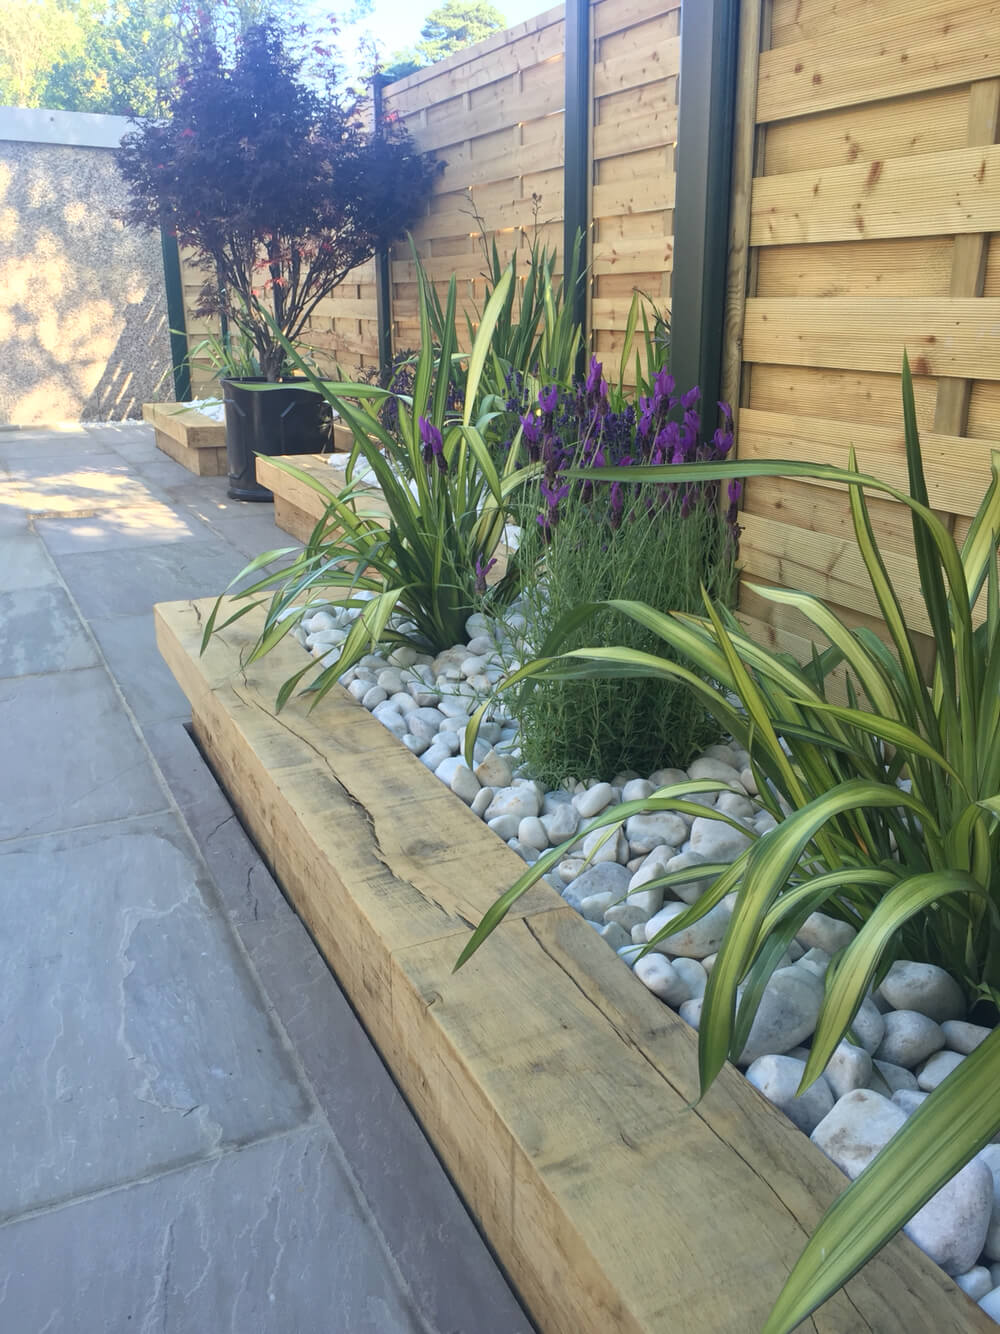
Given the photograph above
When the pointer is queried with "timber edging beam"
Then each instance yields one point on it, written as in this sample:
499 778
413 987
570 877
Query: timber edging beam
554 1086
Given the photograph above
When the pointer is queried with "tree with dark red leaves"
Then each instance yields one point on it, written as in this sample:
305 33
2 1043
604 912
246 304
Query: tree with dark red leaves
274 183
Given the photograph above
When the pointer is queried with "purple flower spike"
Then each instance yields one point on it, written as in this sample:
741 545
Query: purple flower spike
726 410
663 383
734 491
433 444
594 376
482 571
690 399
553 495
548 399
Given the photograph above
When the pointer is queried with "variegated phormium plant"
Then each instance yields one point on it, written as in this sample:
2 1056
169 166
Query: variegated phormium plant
888 811
417 576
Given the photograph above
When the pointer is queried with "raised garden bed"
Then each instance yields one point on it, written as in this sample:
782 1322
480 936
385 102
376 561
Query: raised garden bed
297 507
189 437
552 1083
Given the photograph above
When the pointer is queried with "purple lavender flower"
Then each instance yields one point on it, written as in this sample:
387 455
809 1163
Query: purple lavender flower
482 571
548 399
594 379
617 504
433 444
553 494
690 399
663 383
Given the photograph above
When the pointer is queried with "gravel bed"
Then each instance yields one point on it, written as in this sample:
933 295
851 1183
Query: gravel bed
911 1030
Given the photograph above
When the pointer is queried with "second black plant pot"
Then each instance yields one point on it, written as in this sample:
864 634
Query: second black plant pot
284 420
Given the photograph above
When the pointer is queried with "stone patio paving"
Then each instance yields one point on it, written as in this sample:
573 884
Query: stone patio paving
197 1134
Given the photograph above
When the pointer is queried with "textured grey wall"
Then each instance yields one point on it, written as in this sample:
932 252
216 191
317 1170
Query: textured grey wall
83 312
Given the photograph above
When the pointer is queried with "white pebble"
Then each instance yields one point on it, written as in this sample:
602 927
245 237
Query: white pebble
593 800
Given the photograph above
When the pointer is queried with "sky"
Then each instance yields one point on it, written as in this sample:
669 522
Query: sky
397 23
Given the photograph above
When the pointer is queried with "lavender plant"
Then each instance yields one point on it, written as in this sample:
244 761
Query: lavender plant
652 542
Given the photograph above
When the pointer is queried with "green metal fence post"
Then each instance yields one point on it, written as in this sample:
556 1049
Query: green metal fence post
383 271
709 31
175 316
576 169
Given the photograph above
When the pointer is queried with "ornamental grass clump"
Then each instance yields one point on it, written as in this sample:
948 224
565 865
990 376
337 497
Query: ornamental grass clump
416 577
598 541
887 807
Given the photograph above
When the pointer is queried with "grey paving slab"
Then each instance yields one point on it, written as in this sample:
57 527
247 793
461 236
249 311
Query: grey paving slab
79 484
29 446
150 1045
269 1240
159 469
448 1269
454 1280
70 755
40 632
24 563
254 534
129 645
128 583
244 885
150 524
205 498
13 516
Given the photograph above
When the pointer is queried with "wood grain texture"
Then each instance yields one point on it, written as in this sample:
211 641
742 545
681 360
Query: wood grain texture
934 46
957 469
934 194
748 158
904 267
187 425
968 270
298 508
929 122
952 337
829 567
554 1086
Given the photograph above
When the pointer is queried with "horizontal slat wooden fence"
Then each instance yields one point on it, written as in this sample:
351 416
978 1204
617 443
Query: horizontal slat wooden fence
634 92
865 220
493 115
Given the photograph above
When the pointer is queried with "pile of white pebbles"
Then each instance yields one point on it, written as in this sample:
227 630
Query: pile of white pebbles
911 1030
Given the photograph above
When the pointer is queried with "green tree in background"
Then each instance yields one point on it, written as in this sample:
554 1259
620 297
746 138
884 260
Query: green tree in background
34 35
114 56
450 27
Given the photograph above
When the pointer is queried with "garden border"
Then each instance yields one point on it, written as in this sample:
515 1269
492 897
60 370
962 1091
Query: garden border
189 437
297 507
562 1112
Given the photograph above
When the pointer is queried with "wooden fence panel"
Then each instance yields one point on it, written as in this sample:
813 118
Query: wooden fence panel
634 90
493 115
869 202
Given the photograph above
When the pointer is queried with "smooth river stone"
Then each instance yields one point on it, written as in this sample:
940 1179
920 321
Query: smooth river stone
593 800
561 823
925 988
910 1037
695 941
646 832
658 974
822 932
717 841
778 1077
513 801
786 1016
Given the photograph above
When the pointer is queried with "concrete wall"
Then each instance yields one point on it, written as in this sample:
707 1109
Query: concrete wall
83 312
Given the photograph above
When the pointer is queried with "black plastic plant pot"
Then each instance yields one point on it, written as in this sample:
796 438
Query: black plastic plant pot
282 420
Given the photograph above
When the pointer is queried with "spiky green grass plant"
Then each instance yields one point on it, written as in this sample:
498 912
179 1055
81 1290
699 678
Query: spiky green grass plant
916 869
